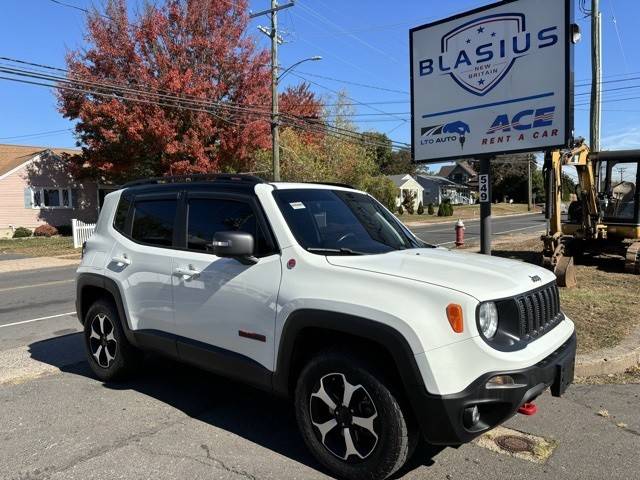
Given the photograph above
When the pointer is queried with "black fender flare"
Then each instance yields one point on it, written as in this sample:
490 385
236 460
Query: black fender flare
384 335
87 279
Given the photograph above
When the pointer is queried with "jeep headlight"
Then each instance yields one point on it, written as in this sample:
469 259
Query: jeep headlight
488 319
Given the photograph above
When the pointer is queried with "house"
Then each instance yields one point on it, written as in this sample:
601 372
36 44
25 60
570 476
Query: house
406 185
436 189
37 188
461 173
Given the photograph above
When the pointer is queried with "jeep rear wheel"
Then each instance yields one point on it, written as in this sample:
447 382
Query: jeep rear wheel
350 419
108 352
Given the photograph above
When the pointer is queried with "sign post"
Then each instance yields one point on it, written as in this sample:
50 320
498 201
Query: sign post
484 196
494 80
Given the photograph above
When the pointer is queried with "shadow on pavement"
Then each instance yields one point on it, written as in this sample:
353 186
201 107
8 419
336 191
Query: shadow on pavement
252 414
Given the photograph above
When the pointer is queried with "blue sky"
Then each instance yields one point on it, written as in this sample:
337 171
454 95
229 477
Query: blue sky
362 42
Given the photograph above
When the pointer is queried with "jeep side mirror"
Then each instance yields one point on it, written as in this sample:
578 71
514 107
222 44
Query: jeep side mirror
238 245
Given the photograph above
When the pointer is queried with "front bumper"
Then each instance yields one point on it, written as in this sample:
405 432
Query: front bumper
441 416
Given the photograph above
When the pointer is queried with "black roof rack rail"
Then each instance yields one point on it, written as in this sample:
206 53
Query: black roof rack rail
200 177
334 184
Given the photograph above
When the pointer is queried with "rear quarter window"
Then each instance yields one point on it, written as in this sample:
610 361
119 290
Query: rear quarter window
120 218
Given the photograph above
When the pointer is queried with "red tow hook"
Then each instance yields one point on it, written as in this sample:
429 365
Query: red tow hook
529 408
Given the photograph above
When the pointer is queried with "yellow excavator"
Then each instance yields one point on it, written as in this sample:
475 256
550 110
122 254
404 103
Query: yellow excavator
604 216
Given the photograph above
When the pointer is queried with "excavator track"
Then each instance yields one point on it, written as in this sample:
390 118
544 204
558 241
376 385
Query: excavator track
632 260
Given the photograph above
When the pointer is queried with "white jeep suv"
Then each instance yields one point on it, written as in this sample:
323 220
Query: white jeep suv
317 293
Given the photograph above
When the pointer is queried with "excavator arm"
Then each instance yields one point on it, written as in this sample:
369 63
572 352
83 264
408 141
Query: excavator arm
557 254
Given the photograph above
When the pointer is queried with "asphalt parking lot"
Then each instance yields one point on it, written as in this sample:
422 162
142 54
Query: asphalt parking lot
172 421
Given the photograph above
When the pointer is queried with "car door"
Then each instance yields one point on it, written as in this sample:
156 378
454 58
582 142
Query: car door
141 259
228 306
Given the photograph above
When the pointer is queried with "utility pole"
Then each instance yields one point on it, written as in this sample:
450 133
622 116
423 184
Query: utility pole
596 75
529 187
275 131
275 40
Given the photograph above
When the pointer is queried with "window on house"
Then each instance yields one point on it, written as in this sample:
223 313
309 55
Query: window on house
49 197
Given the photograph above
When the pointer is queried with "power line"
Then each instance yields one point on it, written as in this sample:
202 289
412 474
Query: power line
355 37
314 127
345 96
357 84
615 25
76 7
38 134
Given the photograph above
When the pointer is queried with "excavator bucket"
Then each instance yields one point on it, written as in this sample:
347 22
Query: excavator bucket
632 260
565 272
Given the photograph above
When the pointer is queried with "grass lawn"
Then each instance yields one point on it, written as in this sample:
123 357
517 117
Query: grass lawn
465 212
605 305
39 246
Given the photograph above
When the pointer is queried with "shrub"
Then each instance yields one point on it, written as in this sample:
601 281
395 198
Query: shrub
400 210
449 209
22 232
430 209
408 202
65 230
45 231
420 208
446 208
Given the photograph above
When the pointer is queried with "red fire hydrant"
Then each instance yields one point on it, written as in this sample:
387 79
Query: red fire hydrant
460 228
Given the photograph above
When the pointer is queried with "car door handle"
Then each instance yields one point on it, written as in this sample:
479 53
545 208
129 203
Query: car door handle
187 272
124 260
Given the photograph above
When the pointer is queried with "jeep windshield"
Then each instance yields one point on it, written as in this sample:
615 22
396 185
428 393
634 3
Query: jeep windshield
338 222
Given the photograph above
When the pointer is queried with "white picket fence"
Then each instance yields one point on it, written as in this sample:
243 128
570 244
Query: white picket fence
81 232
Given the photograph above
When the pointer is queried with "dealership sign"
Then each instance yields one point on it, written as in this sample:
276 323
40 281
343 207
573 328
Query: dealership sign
493 80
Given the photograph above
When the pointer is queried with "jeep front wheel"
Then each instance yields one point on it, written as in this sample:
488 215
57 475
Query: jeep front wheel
350 419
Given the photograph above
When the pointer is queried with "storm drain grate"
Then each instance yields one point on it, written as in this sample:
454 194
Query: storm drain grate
524 446
514 444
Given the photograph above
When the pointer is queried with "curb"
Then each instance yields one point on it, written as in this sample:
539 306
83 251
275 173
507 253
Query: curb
473 219
610 360
35 263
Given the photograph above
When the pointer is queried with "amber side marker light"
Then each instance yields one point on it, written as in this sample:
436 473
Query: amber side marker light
454 314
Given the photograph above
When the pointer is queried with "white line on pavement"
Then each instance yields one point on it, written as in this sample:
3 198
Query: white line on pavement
38 319
55 282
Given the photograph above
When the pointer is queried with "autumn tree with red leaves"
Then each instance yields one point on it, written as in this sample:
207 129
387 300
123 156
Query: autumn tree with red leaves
183 53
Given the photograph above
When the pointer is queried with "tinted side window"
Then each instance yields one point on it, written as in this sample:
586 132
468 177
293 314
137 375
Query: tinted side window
153 222
207 216
120 219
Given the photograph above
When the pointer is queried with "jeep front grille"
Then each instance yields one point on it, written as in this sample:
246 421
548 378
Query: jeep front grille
538 311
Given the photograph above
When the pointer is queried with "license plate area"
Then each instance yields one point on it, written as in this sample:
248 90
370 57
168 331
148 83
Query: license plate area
564 376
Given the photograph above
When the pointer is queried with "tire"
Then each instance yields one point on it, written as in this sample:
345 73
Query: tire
109 354
382 437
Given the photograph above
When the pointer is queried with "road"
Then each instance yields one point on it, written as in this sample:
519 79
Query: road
439 234
27 297
171 421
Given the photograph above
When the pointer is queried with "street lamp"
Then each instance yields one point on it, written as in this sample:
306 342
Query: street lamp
275 132
315 58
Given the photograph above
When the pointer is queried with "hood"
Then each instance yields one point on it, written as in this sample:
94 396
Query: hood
481 276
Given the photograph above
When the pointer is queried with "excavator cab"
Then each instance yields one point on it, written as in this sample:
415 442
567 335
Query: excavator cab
604 215
619 193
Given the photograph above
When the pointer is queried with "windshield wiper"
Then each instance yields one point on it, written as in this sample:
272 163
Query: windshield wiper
334 251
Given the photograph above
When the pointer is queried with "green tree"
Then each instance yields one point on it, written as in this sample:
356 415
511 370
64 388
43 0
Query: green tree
383 189
408 201
400 163
379 147
430 209
420 208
